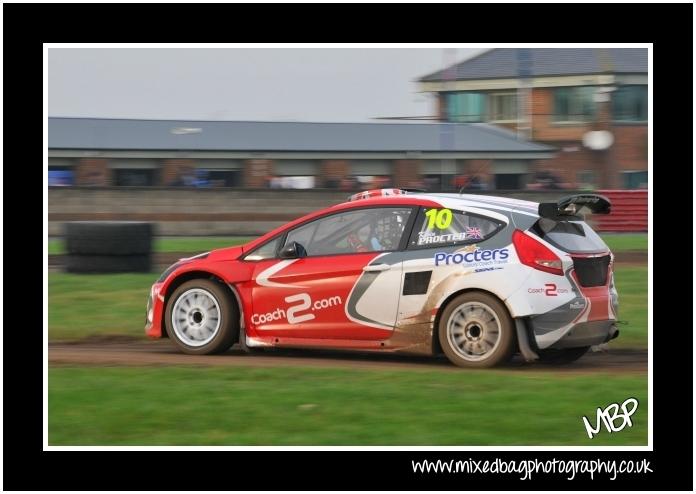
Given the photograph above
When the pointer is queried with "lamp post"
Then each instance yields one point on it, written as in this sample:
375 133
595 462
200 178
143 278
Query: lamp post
524 72
600 138
447 127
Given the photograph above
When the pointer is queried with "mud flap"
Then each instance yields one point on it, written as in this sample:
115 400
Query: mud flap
242 340
523 341
242 327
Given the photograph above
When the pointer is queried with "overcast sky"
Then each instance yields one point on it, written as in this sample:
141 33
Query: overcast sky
321 84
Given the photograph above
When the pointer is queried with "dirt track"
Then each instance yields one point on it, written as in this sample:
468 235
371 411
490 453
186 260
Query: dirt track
162 352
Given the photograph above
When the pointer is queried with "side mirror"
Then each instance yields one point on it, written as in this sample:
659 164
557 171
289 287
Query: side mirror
292 251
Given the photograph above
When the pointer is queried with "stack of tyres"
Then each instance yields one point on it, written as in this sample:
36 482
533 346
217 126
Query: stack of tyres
108 247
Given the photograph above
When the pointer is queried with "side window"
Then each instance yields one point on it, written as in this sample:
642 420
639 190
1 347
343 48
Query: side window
436 227
266 251
303 235
362 230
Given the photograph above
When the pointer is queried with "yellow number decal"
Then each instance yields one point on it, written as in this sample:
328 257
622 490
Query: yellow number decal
441 218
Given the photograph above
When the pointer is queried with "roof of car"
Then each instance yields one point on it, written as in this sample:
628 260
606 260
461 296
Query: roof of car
428 198
494 200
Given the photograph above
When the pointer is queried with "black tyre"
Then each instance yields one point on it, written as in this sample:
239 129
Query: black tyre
108 238
562 357
202 318
254 350
140 263
476 330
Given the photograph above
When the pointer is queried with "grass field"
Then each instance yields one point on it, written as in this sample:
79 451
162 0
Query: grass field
306 406
81 305
617 243
172 244
626 242
632 285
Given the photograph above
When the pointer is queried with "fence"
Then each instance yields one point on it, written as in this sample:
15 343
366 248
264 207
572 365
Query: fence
629 211
184 211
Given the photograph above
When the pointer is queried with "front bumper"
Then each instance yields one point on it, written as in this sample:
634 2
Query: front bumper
154 312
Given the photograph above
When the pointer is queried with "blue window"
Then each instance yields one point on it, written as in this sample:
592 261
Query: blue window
630 104
635 180
466 107
573 104
60 176
135 177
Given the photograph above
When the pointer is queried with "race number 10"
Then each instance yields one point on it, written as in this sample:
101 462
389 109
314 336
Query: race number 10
441 218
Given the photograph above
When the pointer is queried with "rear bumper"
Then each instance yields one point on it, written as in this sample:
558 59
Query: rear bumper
588 333
586 319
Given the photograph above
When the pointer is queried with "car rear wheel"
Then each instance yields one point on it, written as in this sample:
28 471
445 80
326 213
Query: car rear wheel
561 357
476 330
201 318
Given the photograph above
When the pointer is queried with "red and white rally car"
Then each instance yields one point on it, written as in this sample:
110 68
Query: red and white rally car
476 277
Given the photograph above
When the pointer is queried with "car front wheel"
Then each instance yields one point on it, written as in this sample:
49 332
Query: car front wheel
201 318
476 330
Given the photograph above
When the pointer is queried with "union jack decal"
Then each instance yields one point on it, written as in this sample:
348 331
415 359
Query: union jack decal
473 232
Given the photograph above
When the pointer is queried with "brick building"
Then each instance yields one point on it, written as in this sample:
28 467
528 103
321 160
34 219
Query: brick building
589 103
121 152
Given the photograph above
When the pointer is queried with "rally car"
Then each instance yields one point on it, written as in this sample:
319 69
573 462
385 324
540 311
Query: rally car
478 278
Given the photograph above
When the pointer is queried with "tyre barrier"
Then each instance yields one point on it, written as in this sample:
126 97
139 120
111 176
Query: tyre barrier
108 247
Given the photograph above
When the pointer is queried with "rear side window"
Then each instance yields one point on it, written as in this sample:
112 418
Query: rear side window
570 236
437 227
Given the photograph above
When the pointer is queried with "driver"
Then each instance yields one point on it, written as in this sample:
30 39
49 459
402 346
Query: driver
376 245
356 244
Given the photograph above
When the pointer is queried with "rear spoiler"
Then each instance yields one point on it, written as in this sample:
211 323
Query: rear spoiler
573 207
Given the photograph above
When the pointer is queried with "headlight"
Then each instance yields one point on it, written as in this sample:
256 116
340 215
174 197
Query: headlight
148 311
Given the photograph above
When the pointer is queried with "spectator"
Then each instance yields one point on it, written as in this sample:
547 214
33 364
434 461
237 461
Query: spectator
331 183
175 182
93 178
189 177
461 181
274 182
476 183
349 183
545 180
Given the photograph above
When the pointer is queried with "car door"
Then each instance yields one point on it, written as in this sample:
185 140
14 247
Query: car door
322 295
449 248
